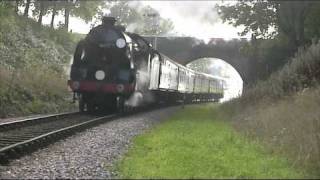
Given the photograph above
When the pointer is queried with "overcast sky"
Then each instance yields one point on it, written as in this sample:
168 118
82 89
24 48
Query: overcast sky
195 18
190 18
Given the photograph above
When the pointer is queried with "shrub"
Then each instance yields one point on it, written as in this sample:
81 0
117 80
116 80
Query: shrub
33 58
301 72
283 111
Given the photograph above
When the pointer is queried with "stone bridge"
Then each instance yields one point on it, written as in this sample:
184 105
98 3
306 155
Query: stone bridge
187 49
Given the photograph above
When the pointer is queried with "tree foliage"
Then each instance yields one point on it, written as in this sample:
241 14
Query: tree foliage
278 29
266 19
133 17
257 17
140 19
82 9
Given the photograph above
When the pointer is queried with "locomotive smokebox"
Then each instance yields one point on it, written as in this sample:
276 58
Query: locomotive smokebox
108 20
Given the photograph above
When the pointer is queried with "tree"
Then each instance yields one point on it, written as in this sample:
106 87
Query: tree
202 65
83 9
312 23
256 17
139 18
153 23
260 17
54 13
294 24
41 9
16 8
86 10
67 7
124 14
26 9
291 18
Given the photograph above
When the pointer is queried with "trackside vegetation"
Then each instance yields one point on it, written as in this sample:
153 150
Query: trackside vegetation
195 143
283 111
32 66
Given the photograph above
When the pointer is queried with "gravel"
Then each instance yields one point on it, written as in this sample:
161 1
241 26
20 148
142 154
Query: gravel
87 155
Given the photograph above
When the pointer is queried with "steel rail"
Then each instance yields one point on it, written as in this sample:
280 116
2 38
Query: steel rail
17 145
44 118
25 136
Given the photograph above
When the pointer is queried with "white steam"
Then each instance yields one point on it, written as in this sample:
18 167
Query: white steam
142 95
191 18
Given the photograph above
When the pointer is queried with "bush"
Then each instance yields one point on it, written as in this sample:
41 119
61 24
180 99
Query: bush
301 72
26 91
283 111
32 66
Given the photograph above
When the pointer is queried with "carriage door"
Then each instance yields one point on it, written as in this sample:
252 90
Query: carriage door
154 72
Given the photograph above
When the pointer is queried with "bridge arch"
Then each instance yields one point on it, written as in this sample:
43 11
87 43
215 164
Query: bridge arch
230 55
218 67
186 49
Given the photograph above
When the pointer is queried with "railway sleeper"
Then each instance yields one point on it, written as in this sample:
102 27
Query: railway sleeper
4 159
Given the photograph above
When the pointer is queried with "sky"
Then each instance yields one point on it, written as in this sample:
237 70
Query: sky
190 18
196 18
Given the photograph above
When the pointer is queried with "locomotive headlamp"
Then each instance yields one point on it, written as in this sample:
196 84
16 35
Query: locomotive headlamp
100 75
120 87
75 85
120 43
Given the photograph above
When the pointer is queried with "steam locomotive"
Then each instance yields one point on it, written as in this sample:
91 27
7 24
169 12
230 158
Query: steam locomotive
114 70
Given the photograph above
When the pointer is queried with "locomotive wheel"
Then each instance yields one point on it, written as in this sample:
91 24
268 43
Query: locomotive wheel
120 104
90 107
81 104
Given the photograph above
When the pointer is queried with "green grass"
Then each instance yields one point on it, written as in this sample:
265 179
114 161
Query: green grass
195 144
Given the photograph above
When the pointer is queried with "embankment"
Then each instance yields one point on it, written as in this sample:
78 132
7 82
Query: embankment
283 111
32 75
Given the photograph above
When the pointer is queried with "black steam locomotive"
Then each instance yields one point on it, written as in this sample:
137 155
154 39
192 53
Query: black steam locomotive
116 70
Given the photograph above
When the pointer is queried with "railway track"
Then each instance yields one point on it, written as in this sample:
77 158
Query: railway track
23 136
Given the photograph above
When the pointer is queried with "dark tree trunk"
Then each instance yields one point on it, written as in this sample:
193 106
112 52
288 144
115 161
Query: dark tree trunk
26 10
16 8
41 13
291 17
66 17
54 11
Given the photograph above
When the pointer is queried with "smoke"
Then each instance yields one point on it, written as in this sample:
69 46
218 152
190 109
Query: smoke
139 98
137 5
133 26
142 95
202 12
198 19
190 18
135 99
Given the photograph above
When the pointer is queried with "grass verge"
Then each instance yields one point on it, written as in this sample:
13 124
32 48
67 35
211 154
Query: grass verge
289 126
194 143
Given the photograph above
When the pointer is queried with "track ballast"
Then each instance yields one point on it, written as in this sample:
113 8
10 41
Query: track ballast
23 136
